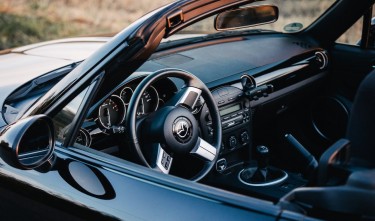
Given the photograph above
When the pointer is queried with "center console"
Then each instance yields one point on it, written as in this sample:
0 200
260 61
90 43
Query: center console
235 115
238 167
257 99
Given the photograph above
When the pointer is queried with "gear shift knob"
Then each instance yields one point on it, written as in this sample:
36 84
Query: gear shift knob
262 153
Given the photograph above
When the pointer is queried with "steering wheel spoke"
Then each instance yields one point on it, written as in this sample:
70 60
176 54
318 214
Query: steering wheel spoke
187 97
163 161
204 150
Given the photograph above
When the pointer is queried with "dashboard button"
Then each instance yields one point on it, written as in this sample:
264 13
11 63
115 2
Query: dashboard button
221 164
232 142
244 138
231 123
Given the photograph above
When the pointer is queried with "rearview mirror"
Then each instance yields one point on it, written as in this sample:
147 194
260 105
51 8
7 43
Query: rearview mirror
28 143
246 17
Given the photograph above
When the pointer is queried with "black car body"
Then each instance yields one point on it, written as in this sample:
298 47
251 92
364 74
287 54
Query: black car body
258 88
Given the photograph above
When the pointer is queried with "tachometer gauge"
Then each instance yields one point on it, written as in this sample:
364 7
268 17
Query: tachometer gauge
125 94
112 112
149 101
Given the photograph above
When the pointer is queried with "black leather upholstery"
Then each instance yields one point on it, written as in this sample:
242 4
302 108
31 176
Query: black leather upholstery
361 127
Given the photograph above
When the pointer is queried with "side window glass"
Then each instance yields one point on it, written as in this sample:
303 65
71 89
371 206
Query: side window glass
63 120
353 35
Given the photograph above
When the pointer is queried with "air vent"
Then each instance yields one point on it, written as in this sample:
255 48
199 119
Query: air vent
175 19
248 81
302 44
321 59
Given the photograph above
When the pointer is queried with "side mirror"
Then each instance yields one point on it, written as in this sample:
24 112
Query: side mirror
246 17
28 143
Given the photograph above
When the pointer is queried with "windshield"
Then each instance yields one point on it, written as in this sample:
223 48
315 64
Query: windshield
294 15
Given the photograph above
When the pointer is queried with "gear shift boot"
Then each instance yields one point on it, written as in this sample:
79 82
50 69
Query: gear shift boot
263 175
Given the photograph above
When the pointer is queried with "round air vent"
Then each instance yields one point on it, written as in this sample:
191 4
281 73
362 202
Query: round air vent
321 59
248 81
330 118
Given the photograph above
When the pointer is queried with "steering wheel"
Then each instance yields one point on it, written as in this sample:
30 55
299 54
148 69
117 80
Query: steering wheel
173 130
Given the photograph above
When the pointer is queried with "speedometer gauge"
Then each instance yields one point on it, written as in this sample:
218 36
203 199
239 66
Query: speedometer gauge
149 101
112 112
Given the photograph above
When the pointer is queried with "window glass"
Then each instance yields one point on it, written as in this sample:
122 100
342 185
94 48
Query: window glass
63 119
353 35
295 14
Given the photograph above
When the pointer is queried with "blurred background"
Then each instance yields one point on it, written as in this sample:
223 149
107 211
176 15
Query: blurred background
29 21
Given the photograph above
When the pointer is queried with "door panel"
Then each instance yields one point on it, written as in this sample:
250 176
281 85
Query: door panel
330 111
350 64
70 192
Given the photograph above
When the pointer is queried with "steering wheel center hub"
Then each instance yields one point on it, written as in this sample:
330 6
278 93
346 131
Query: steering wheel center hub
182 129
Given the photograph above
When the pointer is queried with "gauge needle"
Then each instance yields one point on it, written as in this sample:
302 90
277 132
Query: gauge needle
142 111
109 117
143 107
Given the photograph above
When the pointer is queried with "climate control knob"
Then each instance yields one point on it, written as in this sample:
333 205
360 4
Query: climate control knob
245 138
232 142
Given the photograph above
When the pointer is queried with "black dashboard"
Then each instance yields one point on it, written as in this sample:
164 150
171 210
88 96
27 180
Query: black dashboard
281 65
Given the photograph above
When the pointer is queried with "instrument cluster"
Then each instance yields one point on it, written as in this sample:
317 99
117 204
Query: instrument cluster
113 110
108 115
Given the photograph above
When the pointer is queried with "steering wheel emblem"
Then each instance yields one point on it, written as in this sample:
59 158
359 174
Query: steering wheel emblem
182 129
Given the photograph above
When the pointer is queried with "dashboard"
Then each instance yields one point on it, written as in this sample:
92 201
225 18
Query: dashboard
270 81
250 90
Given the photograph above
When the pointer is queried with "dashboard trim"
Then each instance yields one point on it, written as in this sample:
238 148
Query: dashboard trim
266 78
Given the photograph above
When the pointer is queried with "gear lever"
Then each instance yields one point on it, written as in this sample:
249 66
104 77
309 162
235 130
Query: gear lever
263 162
263 156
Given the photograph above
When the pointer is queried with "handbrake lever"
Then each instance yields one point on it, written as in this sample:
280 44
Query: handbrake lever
311 164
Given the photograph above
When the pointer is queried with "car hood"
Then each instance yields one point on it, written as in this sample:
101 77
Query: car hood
21 65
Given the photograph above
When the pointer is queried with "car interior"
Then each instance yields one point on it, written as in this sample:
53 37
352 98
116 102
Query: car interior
293 111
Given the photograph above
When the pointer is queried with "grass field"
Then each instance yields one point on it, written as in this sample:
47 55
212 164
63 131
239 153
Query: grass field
29 21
